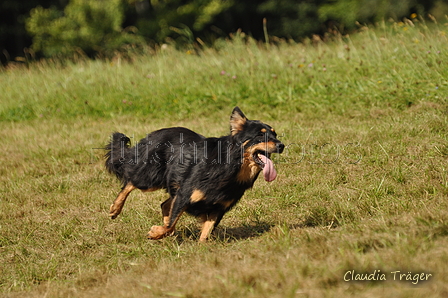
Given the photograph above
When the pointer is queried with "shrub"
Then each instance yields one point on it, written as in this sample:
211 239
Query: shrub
91 27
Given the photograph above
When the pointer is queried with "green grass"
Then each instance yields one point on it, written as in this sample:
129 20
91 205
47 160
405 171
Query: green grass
362 185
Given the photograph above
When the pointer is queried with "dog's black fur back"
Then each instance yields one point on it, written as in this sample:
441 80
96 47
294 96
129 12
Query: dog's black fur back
148 163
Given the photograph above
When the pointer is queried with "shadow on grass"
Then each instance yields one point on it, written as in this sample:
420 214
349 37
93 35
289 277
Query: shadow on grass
244 232
226 234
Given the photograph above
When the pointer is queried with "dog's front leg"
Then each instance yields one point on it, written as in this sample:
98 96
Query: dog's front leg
166 208
209 223
172 209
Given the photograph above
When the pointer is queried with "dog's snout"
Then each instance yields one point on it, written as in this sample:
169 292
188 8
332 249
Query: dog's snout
280 147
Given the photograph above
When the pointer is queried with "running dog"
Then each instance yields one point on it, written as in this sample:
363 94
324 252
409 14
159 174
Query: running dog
204 177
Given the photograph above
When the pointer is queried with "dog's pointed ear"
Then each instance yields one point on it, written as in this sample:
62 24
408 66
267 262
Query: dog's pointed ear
237 121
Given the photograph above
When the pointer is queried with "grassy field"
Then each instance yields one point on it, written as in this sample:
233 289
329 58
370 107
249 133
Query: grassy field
362 186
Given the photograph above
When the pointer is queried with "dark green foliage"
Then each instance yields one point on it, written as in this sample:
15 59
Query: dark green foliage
91 27
180 20
186 20
103 28
291 19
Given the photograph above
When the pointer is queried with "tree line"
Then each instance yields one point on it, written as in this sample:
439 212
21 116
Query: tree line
101 28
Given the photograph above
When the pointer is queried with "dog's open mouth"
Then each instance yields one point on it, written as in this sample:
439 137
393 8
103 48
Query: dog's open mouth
264 162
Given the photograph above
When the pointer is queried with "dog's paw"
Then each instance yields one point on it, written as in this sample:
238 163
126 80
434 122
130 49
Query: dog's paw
203 240
157 232
113 211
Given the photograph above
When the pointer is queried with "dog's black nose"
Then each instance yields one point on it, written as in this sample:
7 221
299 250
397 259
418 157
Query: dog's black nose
280 147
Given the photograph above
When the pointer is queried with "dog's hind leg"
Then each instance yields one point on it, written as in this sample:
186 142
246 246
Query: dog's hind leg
172 209
117 205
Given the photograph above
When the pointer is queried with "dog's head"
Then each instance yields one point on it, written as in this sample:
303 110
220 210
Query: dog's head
258 141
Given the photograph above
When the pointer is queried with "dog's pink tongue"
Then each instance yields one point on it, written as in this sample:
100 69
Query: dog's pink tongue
269 171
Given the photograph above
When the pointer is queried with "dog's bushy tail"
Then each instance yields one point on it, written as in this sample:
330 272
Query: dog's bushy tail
116 155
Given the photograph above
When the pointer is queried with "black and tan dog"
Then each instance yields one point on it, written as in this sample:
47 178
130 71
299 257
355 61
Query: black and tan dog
205 177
